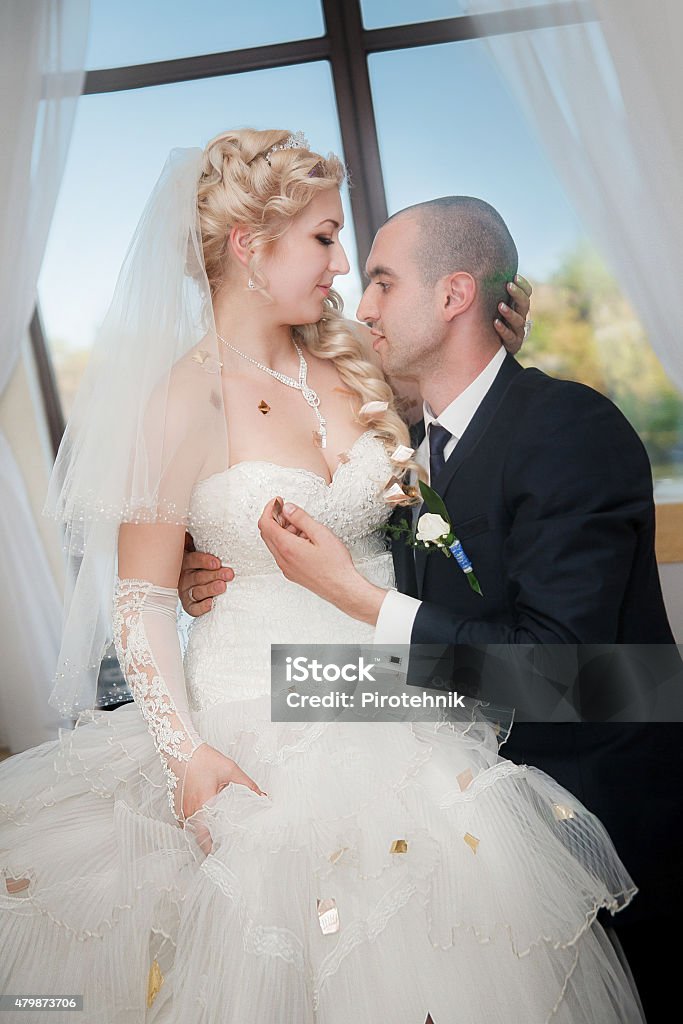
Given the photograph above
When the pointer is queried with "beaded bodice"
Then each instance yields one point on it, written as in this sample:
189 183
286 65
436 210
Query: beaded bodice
351 505
228 654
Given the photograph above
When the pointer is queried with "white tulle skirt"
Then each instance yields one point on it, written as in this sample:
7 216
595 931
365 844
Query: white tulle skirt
392 870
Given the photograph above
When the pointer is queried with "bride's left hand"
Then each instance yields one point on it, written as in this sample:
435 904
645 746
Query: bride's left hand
511 323
206 774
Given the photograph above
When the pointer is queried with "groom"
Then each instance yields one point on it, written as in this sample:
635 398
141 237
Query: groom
548 486
549 490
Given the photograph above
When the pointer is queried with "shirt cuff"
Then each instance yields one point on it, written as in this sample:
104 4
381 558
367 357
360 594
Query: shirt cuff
396 618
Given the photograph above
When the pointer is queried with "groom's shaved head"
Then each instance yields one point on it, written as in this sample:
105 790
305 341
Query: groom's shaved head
461 233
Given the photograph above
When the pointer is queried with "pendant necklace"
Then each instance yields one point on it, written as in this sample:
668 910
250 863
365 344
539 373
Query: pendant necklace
310 396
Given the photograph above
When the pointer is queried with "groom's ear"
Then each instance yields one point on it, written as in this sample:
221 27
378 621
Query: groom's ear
460 291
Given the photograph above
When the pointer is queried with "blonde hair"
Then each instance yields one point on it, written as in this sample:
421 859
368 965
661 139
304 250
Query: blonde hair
239 185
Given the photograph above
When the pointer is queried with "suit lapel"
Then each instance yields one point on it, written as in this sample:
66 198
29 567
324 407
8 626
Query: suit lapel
466 445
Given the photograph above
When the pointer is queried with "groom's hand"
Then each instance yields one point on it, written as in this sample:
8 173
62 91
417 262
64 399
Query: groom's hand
309 554
510 325
201 579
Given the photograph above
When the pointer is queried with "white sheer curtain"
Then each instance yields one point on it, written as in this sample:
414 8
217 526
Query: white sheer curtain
42 56
604 97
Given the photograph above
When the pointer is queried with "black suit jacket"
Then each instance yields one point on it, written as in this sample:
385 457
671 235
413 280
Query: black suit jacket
550 492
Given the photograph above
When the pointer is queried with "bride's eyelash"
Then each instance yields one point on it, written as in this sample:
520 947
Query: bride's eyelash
324 239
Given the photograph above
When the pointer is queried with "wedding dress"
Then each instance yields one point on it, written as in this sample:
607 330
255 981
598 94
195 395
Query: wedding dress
392 868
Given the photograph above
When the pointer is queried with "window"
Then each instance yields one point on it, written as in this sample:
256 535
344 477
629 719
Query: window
380 14
414 121
139 31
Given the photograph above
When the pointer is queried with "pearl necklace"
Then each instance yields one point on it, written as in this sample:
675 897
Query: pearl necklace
310 396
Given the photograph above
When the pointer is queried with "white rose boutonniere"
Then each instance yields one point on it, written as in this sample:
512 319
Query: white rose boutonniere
432 528
435 531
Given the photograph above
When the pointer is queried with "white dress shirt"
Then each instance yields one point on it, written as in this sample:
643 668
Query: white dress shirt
398 611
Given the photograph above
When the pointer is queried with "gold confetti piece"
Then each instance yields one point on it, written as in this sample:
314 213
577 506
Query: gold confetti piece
562 812
399 846
402 453
154 982
471 841
15 885
334 857
328 916
465 778
393 491
496 728
208 361
291 689
343 456
263 407
395 498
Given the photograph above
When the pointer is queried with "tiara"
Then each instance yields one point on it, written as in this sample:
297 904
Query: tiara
296 141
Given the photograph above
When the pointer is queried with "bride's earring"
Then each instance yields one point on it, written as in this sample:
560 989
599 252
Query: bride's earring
250 284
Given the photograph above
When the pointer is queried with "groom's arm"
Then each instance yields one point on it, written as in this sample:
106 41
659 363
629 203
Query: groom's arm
579 488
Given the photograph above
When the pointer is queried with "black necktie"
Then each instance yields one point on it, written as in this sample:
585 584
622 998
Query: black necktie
438 439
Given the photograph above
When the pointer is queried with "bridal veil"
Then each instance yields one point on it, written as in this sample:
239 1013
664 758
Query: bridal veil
148 422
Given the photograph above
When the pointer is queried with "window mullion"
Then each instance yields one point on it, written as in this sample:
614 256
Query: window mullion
357 119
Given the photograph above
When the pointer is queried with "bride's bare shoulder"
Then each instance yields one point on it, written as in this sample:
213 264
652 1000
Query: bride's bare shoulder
181 397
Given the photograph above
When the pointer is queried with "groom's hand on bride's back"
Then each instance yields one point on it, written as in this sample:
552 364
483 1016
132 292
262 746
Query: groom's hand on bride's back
201 579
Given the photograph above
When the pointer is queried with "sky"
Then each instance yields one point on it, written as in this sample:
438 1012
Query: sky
446 123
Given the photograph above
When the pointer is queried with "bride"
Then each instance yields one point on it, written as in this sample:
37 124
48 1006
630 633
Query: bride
183 858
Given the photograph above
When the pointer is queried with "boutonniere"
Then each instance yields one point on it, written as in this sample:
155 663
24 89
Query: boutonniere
435 533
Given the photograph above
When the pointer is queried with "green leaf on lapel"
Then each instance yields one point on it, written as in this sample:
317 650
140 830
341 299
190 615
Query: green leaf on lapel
474 583
434 502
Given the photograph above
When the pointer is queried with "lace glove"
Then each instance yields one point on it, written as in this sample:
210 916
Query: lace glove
148 649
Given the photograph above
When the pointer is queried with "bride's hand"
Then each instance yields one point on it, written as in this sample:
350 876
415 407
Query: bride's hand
511 324
207 773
